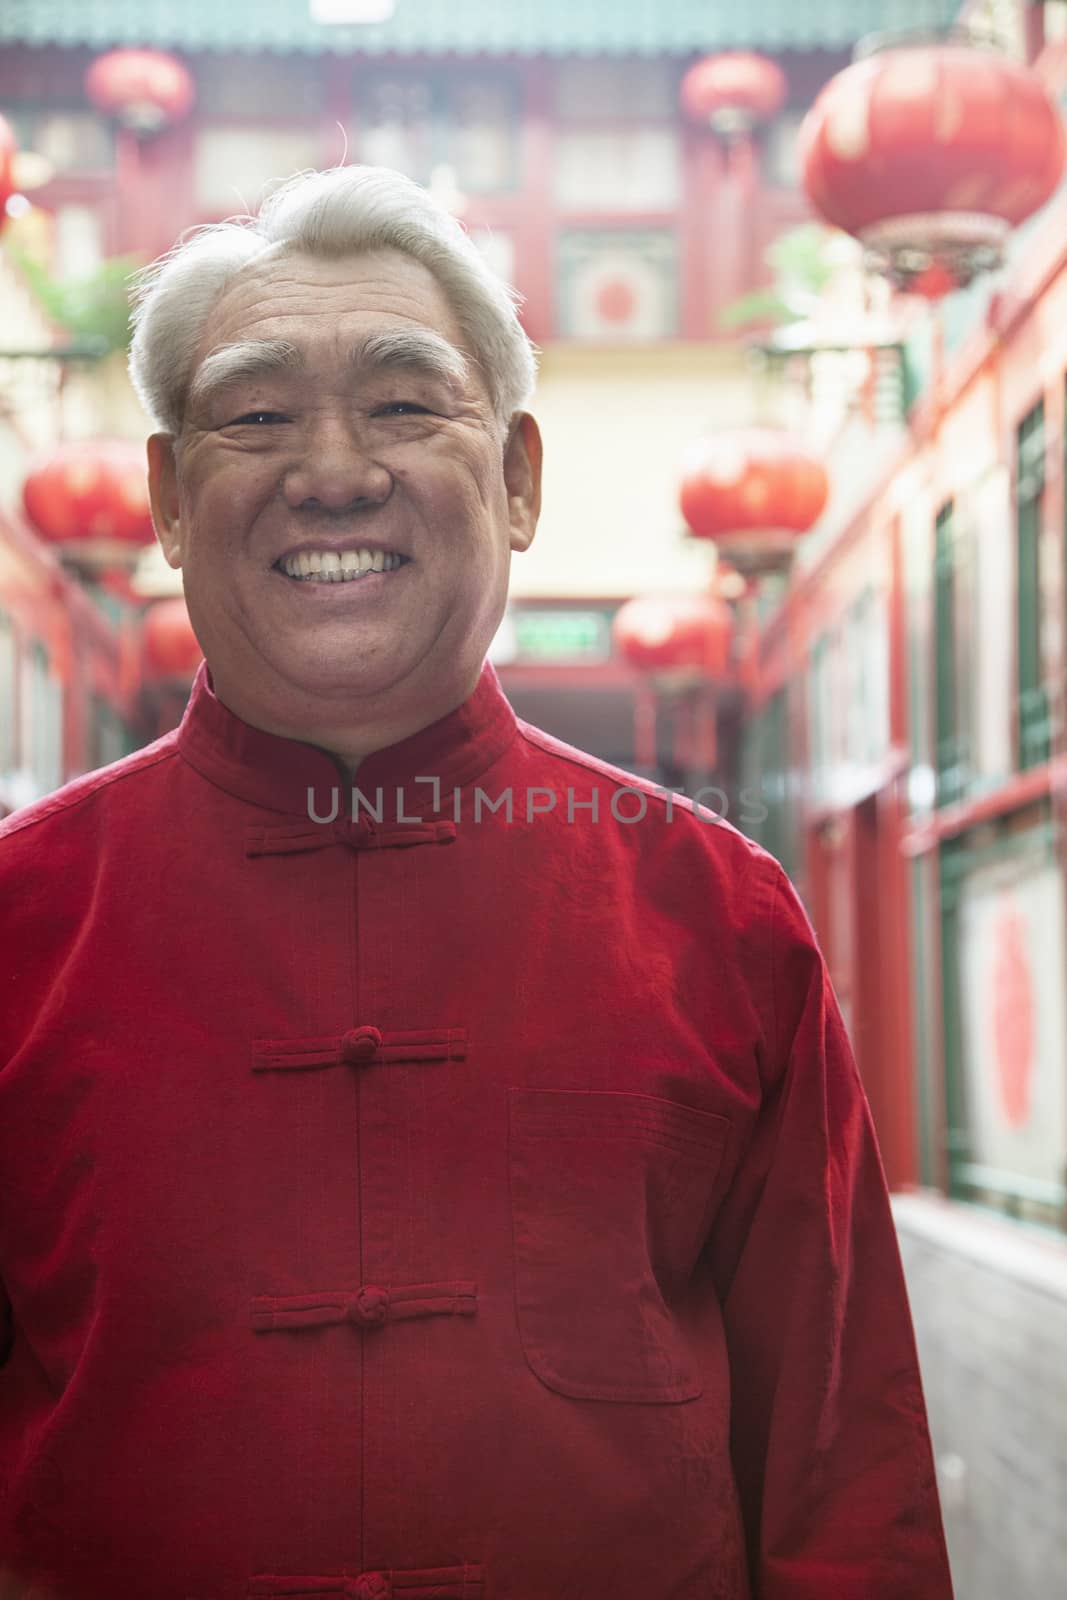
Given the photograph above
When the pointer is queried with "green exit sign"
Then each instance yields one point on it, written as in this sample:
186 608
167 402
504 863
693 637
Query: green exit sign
562 636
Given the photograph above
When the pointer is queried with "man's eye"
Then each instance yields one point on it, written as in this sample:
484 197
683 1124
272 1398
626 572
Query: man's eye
403 405
260 417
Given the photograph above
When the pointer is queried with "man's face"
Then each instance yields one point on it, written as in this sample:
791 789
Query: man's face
301 450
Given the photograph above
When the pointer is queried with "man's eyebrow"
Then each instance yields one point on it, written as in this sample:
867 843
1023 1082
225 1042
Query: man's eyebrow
231 363
418 350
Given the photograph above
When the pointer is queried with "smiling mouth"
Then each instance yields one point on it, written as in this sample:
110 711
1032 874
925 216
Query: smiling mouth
333 566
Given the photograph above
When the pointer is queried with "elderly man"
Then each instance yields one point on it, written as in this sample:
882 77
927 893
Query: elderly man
422 1173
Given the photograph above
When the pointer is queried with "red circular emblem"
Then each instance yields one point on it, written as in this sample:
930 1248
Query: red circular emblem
1013 1017
615 300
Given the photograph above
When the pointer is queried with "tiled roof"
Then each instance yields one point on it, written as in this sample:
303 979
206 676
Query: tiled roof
467 27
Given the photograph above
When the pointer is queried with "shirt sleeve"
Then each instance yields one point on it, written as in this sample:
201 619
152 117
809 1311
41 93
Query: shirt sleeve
829 1435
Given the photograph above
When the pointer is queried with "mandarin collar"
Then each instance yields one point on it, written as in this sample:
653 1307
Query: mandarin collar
276 773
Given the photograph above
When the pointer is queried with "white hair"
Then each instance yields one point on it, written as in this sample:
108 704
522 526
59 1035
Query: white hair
342 211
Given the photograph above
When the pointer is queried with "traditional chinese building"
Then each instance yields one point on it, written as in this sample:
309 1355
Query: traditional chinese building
906 727
903 698
558 133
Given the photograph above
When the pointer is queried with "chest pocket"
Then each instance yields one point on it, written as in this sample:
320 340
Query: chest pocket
611 1198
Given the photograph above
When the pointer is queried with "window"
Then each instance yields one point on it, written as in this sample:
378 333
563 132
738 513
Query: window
820 721
617 170
952 644
781 153
247 87
1031 695
612 91
460 129
866 652
915 534
767 779
72 140
108 740
42 722
233 165
993 691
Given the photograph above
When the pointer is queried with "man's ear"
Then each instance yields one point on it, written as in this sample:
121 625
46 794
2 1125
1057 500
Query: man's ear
163 495
522 477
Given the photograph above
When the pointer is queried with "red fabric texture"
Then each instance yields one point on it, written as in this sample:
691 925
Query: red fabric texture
486 1210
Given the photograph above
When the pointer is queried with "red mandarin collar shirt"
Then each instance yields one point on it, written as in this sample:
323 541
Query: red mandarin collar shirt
435 1206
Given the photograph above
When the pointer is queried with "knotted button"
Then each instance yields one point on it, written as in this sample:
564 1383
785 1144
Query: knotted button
368 1586
360 1045
370 1307
356 834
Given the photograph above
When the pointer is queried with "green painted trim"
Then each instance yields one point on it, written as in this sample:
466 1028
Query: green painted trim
960 857
951 740
1031 696
468 27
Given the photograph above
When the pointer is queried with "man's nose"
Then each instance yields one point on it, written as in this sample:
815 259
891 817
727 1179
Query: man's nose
337 468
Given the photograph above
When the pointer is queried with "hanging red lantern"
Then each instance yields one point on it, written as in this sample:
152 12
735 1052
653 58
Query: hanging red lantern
930 154
90 497
753 492
8 150
170 651
145 89
673 633
733 92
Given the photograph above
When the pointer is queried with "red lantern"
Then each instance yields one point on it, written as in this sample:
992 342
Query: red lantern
145 89
930 154
91 498
7 166
733 92
666 633
169 648
753 492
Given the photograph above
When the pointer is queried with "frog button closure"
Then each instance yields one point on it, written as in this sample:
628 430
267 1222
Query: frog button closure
369 1307
360 1045
368 1586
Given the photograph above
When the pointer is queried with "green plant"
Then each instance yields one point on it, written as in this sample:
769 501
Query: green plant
802 264
94 309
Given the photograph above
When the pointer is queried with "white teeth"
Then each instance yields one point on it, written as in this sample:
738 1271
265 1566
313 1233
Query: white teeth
332 566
